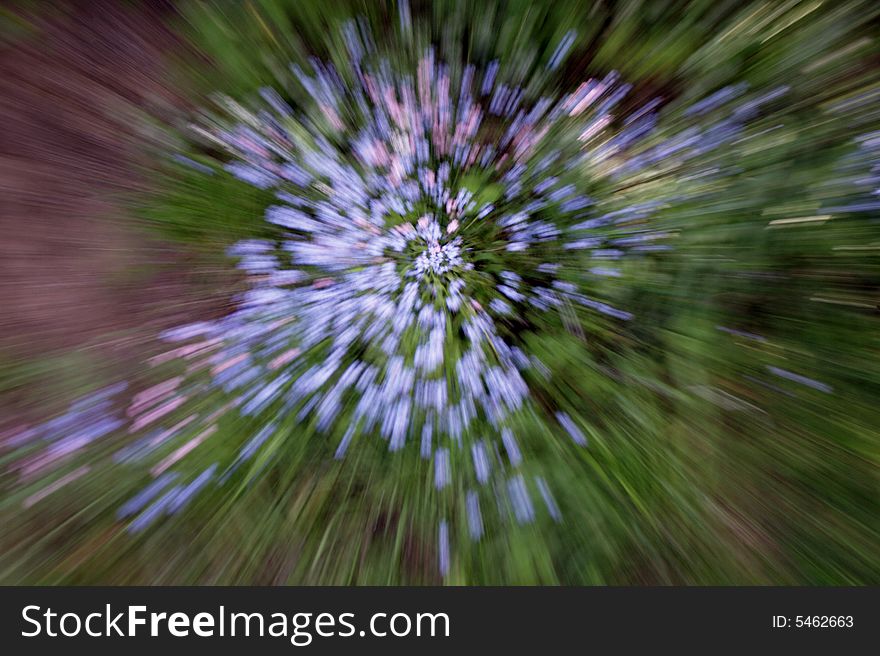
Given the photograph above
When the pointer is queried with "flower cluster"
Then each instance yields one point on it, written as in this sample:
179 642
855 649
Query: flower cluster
425 222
